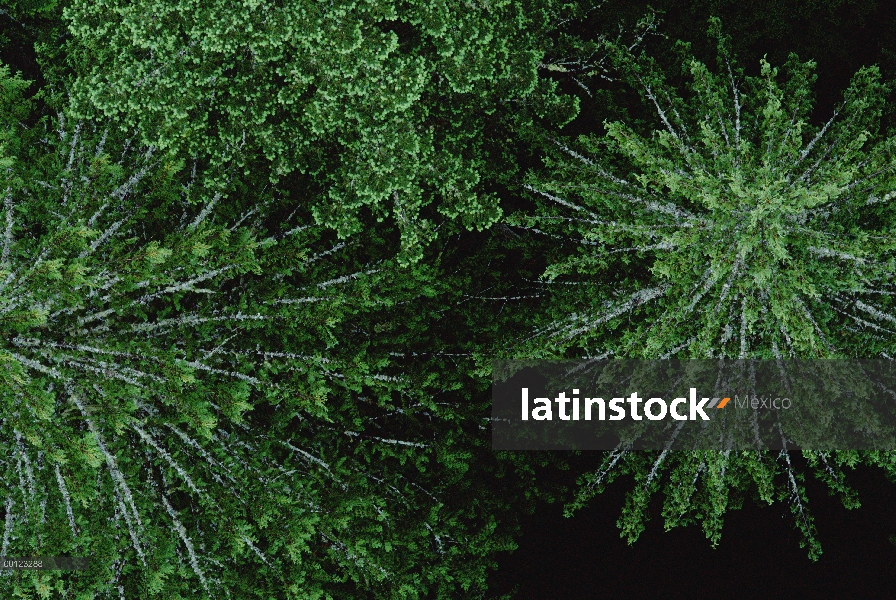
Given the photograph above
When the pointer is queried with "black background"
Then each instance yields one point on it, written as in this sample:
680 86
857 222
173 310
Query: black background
758 556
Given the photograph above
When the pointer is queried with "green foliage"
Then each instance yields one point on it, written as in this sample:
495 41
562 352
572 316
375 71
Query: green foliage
390 113
729 228
13 110
735 229
701 487
18 16
218 377
213 400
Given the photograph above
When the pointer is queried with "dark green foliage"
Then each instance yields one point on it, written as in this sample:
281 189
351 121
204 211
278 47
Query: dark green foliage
250 286
209 401
388 105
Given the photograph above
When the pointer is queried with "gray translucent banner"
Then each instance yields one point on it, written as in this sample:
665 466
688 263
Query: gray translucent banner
694 404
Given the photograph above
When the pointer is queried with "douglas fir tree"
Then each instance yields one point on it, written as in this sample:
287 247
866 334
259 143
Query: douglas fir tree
194 397
728 228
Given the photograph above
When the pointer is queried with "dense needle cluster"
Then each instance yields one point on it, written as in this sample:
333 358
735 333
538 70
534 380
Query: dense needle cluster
734 228
730 229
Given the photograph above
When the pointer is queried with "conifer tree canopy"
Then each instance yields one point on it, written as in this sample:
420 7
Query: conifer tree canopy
387 103
727 227
255 267
193 396
731 229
